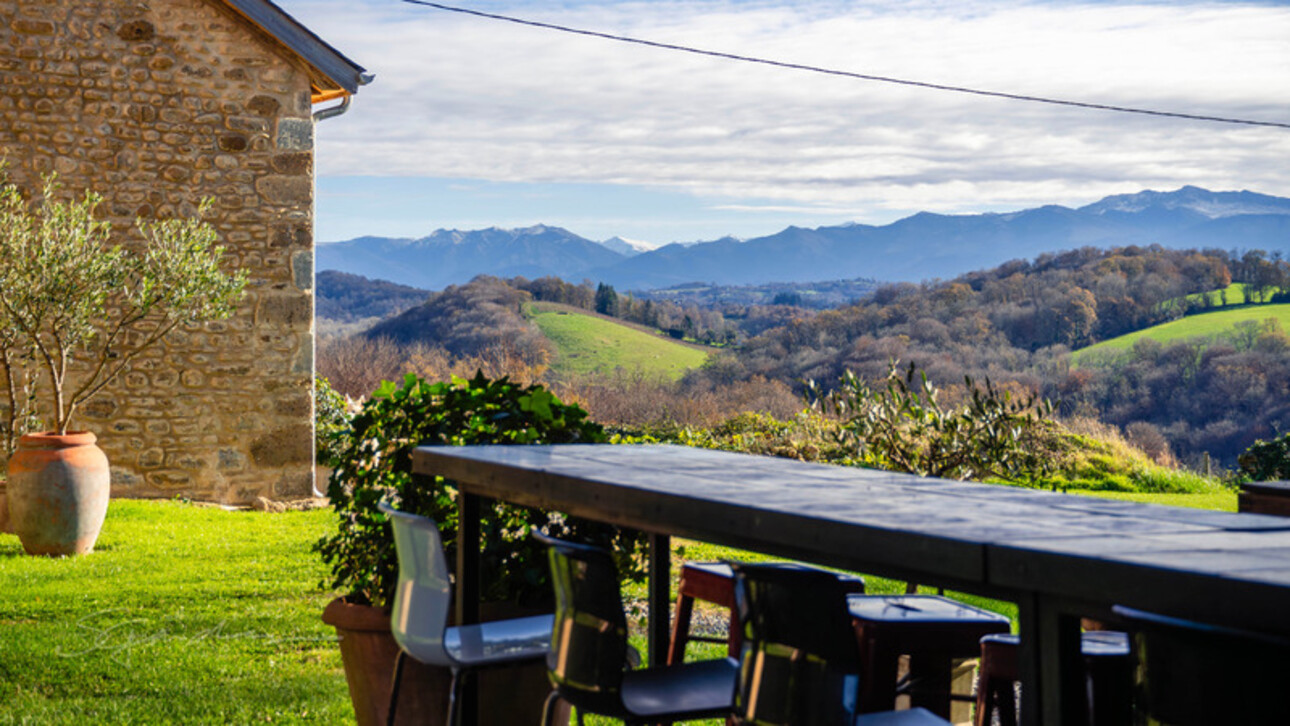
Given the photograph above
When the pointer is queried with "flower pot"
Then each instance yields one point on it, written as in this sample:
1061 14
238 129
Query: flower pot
58 492
508 696
5 526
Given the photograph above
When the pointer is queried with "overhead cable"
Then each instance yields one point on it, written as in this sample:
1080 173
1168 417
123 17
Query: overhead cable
846 74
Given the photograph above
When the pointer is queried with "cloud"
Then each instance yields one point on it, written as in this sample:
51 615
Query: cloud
467 98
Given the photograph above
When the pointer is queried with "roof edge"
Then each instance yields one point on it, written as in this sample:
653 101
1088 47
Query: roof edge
315 51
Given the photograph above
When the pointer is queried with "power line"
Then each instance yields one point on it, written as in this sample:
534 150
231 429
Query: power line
846 74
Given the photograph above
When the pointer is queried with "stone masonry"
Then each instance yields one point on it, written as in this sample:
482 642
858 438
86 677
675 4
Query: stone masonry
157 104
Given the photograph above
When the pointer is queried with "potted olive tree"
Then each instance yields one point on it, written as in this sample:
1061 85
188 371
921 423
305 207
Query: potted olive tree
79 311
374 462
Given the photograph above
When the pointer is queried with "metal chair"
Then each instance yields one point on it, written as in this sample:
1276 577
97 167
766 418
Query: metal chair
419 621
800 661
1107 672
1193 674
587 662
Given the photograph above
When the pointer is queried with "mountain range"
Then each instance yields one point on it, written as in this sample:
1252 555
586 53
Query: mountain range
920 247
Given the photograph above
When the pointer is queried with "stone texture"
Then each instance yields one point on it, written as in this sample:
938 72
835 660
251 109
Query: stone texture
157 105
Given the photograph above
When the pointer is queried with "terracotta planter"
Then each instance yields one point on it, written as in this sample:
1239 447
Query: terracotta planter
5 526
58 492
511 696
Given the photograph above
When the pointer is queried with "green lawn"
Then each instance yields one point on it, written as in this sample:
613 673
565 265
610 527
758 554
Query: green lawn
181 615
591 344
197 615
1204 324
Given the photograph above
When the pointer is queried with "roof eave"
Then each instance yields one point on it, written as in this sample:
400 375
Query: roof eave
343 74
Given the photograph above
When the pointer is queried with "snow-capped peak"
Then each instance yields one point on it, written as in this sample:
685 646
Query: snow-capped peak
628 247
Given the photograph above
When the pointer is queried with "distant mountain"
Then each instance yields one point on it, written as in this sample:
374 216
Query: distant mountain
916 248
346 298
928 245
452 257
628 247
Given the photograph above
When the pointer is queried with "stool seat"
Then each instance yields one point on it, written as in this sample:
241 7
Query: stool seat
932 630
1108 672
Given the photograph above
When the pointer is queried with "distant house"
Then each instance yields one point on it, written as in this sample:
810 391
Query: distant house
157 105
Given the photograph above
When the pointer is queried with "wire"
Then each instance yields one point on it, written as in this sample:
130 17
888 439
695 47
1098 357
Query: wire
846 74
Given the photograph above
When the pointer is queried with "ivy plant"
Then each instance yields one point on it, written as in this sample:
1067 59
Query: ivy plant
1266 460
375 463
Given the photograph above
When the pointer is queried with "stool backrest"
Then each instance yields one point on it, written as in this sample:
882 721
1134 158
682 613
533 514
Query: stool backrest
422 599
800 662
1192 674
589 639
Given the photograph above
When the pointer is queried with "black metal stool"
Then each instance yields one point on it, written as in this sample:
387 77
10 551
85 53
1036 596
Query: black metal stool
1108 672
933 631
714 582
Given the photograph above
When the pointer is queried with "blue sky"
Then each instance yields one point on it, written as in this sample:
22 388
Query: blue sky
473 123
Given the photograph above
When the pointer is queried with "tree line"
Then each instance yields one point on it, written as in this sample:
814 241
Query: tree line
1018 322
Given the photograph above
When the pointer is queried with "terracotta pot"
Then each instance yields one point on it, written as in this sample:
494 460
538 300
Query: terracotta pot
510 696
5 526
58 492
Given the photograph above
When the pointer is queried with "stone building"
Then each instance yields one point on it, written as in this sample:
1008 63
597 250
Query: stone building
157 104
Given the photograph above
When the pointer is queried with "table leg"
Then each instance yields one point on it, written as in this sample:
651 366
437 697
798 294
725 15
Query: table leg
932 676
1051 667
468 548
660 597
469 545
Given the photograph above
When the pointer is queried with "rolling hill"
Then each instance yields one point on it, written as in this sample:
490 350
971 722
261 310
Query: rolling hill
1213 323
589 343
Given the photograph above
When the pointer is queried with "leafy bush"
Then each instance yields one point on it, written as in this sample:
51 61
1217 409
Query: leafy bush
375 463
1267 460
903 427
331 422
806 437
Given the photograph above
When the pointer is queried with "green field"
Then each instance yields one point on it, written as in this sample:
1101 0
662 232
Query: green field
1192 326
182 614
588 343
1235 295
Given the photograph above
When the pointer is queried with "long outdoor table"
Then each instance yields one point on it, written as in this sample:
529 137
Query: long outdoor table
1059 557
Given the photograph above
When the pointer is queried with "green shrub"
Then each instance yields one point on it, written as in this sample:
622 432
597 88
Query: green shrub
376 463
331 422
903 427
1267 460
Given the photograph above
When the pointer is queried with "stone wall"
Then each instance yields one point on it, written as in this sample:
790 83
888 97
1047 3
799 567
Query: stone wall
156 104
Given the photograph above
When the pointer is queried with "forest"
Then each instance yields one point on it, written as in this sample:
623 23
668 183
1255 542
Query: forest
1015 325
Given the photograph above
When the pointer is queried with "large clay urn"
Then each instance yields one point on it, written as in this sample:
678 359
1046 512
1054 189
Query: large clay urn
58 492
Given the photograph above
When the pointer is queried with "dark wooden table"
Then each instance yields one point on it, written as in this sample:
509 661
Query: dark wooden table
1059 557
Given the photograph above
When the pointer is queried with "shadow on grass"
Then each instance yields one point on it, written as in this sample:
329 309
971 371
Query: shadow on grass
14 549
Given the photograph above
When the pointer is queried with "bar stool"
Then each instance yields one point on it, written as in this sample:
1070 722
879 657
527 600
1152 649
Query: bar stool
589 649
933 631
714 582
1192 674
1108 673
799 665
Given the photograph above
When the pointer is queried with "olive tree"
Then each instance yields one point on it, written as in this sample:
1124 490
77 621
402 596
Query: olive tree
80 309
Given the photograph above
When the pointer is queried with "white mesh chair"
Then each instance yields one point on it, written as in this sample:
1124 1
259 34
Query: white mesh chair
419 621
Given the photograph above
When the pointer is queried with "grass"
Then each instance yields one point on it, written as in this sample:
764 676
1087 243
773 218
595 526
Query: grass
589 344
189 615
181 615
1235 295
1193 326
